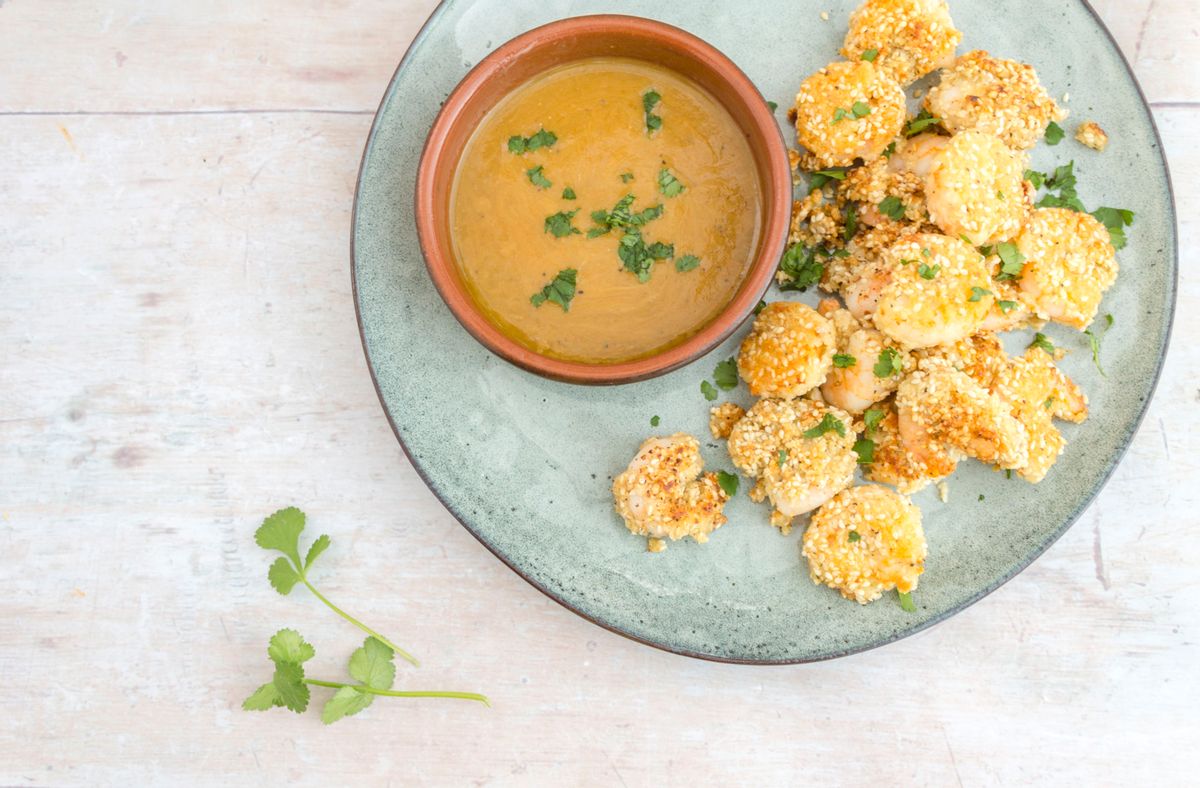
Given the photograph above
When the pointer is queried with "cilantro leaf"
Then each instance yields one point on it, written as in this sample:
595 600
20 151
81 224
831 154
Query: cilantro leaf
282 576
1040 341
728 482
1036 178
799 264
372 664
1094 337
844 360
687 263
818 179
1054 133
537 178
1011 260
290 687
288 646
872 418
851 222
654 421
921 122
760 307
668 184
708 390
771 105
781 457
906 602
977 294
517 144
829 423
542 139
650 100
263 698
726 374
346 702
892 207
860 109
568 193
869 55
281 531
1116 220
626 177
853 536
865 449
839 115
1007 306
315 549
559 224
561 290
928 271
889 363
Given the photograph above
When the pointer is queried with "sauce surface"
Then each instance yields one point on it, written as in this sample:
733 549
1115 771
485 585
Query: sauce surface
595 110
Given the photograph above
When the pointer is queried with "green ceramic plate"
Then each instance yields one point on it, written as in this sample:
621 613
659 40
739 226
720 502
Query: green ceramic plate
525 464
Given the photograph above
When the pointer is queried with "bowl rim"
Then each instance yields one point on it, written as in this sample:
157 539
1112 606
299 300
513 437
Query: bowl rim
761 272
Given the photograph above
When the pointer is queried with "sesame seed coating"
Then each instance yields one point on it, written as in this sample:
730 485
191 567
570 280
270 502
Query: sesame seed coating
1069 264
664 495
888 551
1092 135
797 472
721 419
894 463
788 351
976 189
825 120
911 37
995 96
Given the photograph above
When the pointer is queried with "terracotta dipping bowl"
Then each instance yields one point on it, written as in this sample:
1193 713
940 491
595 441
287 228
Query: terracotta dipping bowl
541 49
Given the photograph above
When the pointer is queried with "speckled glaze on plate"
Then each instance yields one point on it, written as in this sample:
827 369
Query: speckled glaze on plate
525 463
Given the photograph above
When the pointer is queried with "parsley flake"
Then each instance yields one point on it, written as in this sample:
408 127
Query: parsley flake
626 177
781 458
560 290
853 536
829 423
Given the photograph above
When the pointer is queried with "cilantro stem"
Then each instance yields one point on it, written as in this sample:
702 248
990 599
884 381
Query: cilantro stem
402 693
358 623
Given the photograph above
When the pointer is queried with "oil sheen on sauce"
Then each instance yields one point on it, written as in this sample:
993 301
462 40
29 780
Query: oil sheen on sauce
604 152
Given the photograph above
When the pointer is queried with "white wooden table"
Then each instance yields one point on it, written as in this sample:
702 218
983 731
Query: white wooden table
178 356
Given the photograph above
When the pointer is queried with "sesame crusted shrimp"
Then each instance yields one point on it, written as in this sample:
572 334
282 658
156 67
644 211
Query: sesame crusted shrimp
847 111
865 541
941 405
855 382
1000 97
927 289
1039 392
664 495
721 419
910 38
800 451
788 351
910 466
1069 264
974 186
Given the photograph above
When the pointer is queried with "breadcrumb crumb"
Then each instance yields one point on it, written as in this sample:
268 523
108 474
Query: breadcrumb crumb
1092 135
721 419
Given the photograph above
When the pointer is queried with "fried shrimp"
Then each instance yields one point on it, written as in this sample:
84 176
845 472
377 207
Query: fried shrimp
909 38
865 541
1069 264
800 451
867 366
974 186
939 404
927 289
907 467
999 97
788 351
847 111
664 495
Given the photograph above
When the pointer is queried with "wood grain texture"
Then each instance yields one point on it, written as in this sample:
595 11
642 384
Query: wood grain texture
178 356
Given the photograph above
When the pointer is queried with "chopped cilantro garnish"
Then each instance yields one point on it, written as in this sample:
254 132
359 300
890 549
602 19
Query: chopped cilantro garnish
889 150
654 421
560 290
843 360
559 225
1040 341
1007 306
568 193
708 390
728 482
892 207
889 363
906 261
771 105
839 114
799 264
869 55
981 496
781 458
977 294
872 418
650 99
1049 403
865 449
537 178
637 257
626 177
542 139
920 123
853 536
829 423
851 222
1094 337
818 179
1063 180
906 602
1011 260
760 307
686 263
1116 220
861 109
928 271
1036 178
668 184
1054 133
726 374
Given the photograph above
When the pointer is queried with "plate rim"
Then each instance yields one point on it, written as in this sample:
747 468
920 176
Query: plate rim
901 634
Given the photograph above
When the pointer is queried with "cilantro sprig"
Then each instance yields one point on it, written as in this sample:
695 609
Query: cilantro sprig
800 267
541 139
1094 336
921 122
561 290
281 532
650 100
